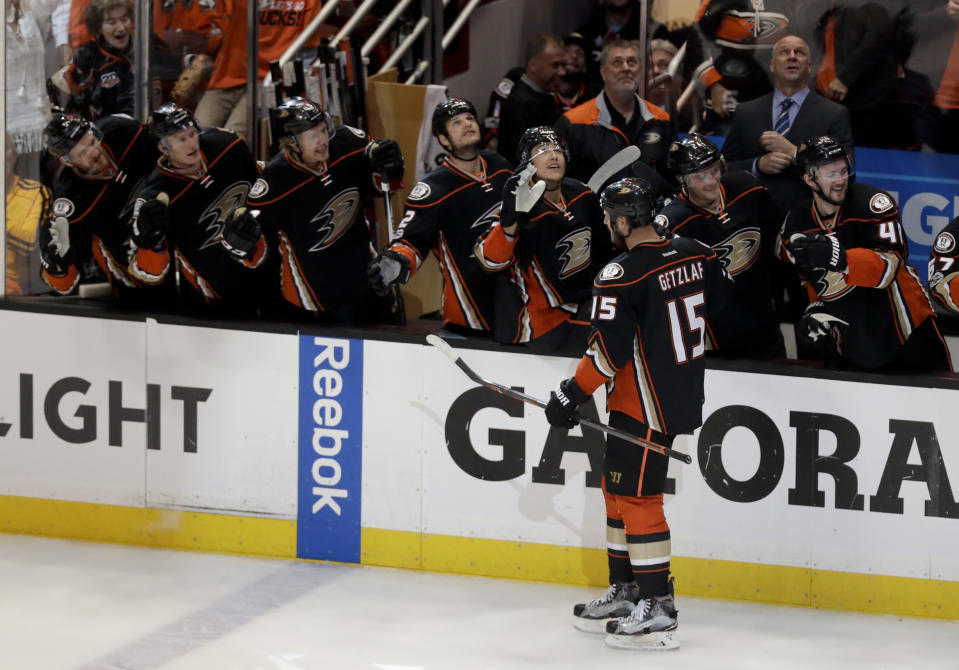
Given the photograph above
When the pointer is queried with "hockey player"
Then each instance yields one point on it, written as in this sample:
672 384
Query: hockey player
647 346
869 309
735 215
191 215
943 270
312 201
105 162
445 213
551 242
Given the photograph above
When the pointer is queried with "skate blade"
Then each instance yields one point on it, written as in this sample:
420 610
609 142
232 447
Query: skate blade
591 625
659 641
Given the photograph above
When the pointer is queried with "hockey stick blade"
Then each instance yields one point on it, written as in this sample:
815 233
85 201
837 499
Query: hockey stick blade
618 161
450 353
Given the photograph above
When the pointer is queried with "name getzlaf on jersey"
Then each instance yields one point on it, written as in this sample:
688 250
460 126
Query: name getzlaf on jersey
743 234
199 207
648 344
881 296
98 208
445 213
318 223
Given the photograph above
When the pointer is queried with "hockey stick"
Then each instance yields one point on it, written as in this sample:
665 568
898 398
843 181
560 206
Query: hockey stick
618 161
384 185
448 351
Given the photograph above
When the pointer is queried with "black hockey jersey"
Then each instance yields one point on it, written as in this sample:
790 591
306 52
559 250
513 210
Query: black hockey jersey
99 208
199 206
880 295
551 261
101 81
649 331
318 223
943 271
446 213
743 235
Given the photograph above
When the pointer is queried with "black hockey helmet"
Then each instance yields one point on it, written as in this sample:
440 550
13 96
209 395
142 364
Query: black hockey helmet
168 118
632 198
65 130
692 154
533 137
447 109
819 151
297 115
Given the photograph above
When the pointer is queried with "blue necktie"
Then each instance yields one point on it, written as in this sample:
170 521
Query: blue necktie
782 121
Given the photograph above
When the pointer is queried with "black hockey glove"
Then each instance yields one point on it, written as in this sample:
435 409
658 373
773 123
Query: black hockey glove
83 64
53 240
241 233
563 402
150 223
817 252
818 332
387 269
386 159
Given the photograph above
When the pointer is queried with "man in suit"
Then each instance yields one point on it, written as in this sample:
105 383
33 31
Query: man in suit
765 132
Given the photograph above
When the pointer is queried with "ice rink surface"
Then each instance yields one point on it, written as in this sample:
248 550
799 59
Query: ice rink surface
74 605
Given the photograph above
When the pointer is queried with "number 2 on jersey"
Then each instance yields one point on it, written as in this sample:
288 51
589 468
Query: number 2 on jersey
693 323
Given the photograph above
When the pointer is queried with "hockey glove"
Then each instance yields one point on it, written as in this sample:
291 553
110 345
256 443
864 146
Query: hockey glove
54 243
818 331
563 402
387 269
817 252
386 159
150 223
241 233
526 196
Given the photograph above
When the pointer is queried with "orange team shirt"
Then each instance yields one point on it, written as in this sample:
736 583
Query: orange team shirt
206 19
281 22
79 35
947 97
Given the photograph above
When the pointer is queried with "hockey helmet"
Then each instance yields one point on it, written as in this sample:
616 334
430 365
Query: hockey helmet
820 151
692 154
447 109
65 130
168 118
297 115
533 137
632 198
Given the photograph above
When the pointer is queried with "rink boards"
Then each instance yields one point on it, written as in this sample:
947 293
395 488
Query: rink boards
803 490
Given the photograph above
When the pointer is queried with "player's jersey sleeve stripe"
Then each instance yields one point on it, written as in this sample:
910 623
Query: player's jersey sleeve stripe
433 203
947 290
150 267
462 295
293 283
494 251
345 156
873 269
195 279
116 271
645 389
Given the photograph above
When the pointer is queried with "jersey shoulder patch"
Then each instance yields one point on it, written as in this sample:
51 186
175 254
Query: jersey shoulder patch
260 188
611 271
880 202
945 243
356 131
661 220
421 191
63 207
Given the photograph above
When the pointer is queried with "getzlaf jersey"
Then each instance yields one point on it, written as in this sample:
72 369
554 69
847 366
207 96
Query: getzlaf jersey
445 214
318 223
880 295
552 260
648 341
199 206
99 208
743 234
943 269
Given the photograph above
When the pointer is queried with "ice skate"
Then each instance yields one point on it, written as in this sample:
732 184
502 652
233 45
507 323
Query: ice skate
618 601
651 625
